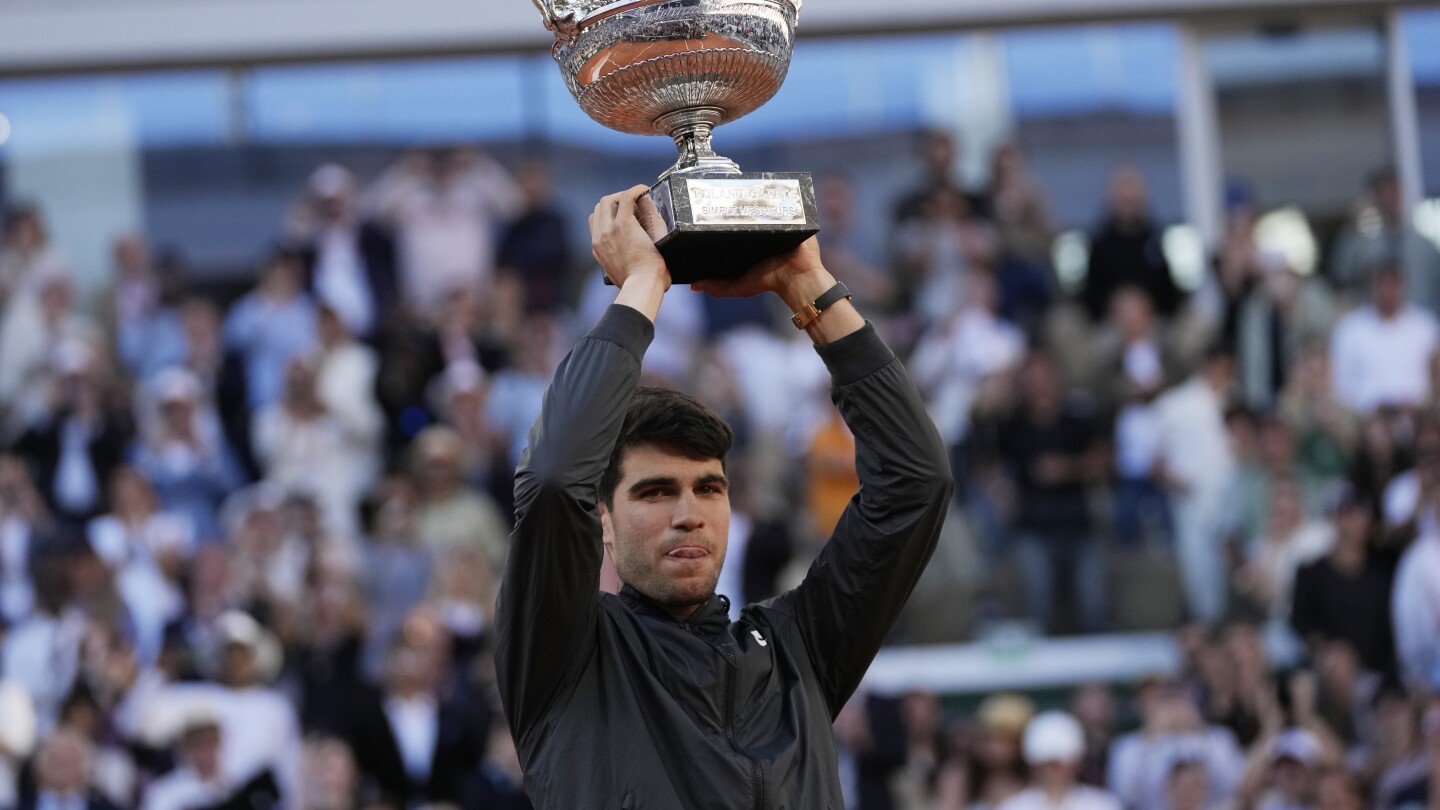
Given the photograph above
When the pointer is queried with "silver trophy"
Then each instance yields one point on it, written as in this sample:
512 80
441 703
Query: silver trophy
681 68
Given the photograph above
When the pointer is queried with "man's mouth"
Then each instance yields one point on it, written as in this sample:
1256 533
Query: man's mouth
687 553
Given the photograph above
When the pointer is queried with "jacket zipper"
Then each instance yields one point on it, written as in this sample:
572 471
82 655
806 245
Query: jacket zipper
757 781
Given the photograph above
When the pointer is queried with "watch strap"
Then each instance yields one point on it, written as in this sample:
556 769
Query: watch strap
812 310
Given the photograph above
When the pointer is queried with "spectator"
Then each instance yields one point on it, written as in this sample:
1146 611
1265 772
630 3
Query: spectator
145 550
397 572
306 447
184 454
1025 231
872 285
417 744
1188 787
258 736
270 327
350 262
1054 748
997 768
535 246
148 322
17 738
220 374
1271 311
500 784
1172 730
1140 371
939 154
1057 456
1290 540
26 255
42 339
80 441
332 780
41 651
1126 251
1345 596
1416 606
1282 771
1380 234
22 515
954 358
515 392
450 514
345 377
1196 464
939 250
831 476
1381 352
1396 761
1326 432
1337 790
1093 705
1380 457
445 204
198 780
62 775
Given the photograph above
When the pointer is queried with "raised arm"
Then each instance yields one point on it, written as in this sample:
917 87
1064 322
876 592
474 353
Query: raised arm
545 617
860 581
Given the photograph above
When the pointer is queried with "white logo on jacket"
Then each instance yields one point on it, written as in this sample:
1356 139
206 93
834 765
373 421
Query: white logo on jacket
759 638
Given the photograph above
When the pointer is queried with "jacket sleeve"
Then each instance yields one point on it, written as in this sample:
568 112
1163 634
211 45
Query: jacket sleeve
545 617
861 579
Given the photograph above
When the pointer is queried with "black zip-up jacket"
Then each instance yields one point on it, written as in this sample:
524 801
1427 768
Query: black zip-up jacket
615 705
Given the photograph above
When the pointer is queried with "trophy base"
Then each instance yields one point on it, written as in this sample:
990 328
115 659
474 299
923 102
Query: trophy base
719 225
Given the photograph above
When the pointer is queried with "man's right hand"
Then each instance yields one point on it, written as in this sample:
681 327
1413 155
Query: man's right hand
623 230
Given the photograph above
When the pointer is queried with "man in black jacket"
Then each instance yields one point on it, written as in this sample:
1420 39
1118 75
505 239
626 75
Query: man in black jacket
653 698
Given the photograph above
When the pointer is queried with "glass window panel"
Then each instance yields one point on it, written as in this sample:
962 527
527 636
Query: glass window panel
400 102
1087 99
1421 31
146 109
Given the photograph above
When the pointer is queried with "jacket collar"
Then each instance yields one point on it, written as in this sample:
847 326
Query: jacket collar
708 620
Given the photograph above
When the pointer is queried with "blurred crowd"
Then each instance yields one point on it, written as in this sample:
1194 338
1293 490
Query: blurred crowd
249 548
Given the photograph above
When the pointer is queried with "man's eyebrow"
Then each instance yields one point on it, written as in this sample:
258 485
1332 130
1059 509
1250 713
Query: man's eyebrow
712 478
654 481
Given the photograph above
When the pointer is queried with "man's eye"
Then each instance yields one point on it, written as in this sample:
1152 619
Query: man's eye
652 494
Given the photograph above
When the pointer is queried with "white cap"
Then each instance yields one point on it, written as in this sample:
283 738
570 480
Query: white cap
18 723
331 180
176 384
1297 744
1053 737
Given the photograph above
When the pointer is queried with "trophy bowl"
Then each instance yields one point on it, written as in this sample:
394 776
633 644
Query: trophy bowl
681 68
631 64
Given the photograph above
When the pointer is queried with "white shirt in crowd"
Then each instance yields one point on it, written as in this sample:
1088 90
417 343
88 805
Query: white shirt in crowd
183 789
340 279
1379 361
1140 764
415 722
1082 797
1416 605
1192 437
951 361
258 729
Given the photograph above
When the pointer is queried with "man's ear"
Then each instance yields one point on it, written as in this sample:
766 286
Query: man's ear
607 528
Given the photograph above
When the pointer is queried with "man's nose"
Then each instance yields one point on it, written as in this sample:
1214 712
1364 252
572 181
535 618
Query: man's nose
687 515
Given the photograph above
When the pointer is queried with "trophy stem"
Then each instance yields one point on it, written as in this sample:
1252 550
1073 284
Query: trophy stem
691 130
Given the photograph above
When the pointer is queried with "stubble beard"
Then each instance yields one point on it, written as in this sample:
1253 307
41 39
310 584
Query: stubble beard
634 569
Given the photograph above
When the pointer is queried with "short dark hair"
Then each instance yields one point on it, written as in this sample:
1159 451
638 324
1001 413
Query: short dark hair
672 420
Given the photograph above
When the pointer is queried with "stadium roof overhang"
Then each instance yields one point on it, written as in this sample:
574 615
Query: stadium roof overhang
46 36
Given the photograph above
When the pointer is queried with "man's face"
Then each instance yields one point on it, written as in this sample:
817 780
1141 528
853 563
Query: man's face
668 527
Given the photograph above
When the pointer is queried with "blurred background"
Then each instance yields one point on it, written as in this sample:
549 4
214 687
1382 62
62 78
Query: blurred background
282 284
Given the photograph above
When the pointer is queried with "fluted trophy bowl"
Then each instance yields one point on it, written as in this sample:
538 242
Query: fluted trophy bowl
681 68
